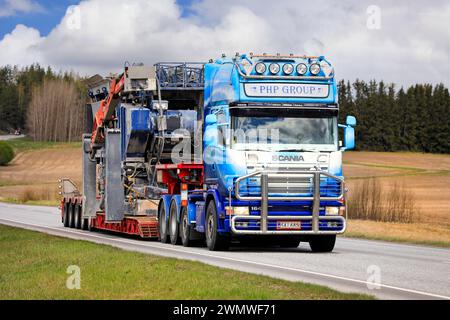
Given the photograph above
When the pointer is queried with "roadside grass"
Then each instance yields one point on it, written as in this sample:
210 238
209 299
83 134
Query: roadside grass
33 266
44 195
416 233
26 143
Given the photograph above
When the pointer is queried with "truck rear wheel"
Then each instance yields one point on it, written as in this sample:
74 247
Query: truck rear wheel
214 240
173 224
322 243
163 235
185 228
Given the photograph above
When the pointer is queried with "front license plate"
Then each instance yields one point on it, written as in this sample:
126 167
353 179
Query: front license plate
289 225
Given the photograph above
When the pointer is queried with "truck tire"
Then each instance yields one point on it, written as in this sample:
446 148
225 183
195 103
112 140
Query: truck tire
173 224
70 215
77 216
85 224
185 228
66 215
289 241
322 243
214 240
162 225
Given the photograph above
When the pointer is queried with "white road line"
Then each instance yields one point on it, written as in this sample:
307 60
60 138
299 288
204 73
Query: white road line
89 234
395 245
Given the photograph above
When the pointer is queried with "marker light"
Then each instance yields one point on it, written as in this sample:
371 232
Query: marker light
288 68
260 68
301 69
314 69
274 68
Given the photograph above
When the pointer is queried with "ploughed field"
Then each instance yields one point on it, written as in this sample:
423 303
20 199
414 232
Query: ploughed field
33 174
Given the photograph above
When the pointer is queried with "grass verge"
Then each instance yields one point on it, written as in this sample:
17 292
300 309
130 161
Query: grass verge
33 266
414 233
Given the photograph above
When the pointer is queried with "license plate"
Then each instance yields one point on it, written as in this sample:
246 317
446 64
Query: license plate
289 225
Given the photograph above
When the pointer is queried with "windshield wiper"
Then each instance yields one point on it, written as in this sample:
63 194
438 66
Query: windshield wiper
296 150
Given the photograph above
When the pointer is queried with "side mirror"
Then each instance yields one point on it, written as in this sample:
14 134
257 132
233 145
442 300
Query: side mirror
350 121
349 138
210 119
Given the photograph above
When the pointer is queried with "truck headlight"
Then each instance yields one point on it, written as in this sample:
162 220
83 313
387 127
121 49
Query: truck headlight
274 68
314 69
237 211
301 69
332 211
260 68
288 68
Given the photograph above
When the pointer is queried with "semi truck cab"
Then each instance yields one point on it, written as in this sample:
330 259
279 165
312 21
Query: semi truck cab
272 156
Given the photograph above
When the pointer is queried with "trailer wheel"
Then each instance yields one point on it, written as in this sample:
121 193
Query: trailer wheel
71 215
77 216
173 224
214 240
85 224
322 243
66 215
163 235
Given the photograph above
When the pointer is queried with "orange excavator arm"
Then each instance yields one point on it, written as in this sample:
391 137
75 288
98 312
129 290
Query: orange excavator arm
105 113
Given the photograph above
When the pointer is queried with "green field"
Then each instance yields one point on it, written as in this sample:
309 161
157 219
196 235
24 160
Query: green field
26 143
33 266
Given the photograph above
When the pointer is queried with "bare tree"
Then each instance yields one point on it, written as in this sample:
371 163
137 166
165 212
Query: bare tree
55 112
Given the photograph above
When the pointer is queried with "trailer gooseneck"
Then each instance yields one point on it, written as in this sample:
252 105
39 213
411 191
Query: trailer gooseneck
237 149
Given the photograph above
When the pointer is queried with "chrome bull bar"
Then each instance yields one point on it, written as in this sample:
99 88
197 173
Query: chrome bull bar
264 198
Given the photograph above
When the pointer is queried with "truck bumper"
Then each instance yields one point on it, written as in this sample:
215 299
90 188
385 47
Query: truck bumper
286 225
313 223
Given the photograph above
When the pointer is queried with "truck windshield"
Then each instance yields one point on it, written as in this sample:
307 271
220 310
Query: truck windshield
284 131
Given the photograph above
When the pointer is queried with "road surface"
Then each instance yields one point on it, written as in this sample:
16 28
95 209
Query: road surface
404 271
10 136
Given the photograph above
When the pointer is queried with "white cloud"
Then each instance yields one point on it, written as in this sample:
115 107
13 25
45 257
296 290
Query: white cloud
13 7
411 46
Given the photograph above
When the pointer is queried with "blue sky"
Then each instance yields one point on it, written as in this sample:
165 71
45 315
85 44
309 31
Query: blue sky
50 16
43 20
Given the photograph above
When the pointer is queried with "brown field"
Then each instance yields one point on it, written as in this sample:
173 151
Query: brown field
33 174
427 176
32 178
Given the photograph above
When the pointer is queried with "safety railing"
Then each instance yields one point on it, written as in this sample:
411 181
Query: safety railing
313 194
180 75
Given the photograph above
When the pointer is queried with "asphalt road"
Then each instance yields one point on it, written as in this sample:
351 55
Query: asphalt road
404 271
10 136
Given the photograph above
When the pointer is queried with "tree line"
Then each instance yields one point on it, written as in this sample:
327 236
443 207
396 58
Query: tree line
413 119
49 106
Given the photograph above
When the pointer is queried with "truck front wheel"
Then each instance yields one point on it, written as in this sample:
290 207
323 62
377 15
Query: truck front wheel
322 243
214 240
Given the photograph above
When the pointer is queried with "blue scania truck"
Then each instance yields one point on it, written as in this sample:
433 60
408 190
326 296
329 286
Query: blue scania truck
240 149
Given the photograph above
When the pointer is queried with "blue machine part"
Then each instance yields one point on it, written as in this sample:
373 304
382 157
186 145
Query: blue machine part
136 127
